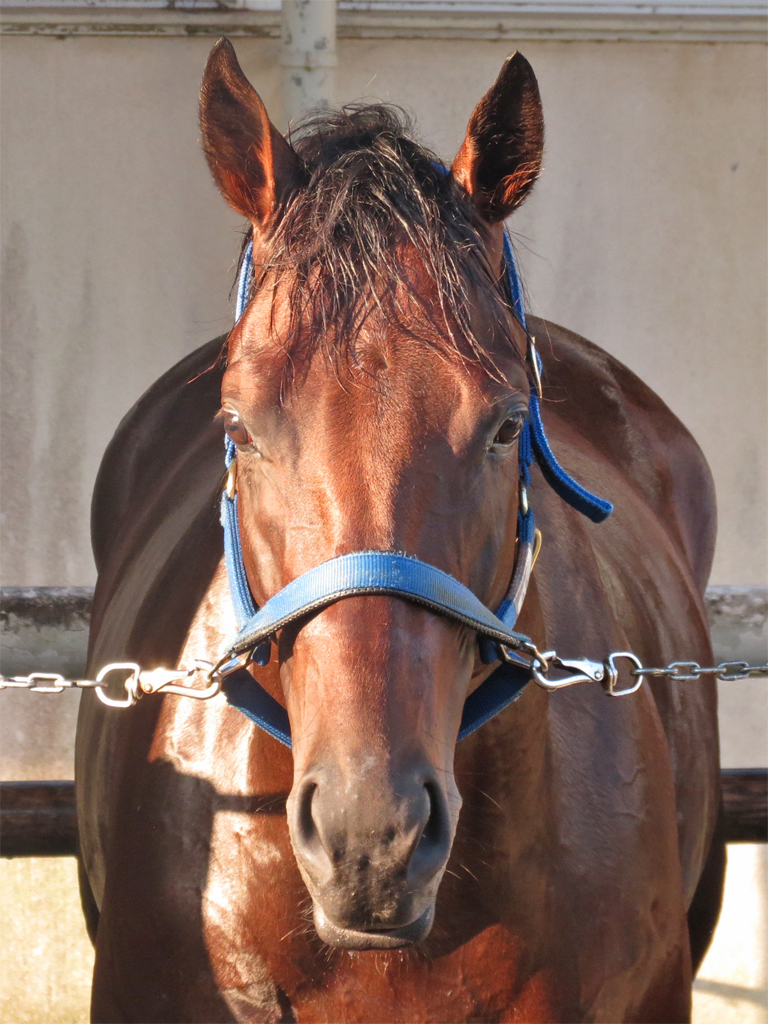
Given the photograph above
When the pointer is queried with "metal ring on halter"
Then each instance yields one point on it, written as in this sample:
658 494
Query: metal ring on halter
131 684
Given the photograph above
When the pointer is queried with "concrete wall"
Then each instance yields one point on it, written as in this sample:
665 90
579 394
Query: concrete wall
646 233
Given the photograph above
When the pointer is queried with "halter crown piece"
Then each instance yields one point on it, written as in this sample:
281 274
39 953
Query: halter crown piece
386 572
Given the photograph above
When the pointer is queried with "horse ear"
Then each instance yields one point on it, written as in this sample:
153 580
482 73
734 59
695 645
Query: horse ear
500 157
252 164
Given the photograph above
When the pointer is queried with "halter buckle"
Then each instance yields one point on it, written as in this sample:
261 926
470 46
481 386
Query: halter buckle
533 359
230 482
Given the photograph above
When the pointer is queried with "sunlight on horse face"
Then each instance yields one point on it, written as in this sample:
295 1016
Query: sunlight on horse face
389 444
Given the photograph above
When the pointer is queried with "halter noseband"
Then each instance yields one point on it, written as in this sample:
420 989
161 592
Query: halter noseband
388 572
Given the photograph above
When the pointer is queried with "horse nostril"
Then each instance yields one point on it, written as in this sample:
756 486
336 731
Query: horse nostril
317 844
432 827
434 844
308 839
306 829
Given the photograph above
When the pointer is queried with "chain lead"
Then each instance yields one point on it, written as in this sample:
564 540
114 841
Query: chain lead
139 681
727 671
136 683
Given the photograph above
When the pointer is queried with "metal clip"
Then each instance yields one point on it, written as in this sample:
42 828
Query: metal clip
586 671
162 680
155 679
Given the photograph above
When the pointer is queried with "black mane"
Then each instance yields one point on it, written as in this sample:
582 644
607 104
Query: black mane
370 193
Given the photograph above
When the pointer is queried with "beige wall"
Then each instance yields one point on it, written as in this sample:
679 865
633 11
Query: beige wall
646 233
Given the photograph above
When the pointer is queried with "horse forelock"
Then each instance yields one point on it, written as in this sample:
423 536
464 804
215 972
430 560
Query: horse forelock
377 214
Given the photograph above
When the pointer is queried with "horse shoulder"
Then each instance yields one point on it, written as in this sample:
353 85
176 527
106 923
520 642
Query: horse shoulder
638 433
658 478
156 542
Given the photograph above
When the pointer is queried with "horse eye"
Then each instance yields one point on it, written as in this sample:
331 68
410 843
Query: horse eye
235 429
508 433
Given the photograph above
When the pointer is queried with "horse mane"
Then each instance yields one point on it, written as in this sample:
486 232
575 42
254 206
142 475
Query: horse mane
346 240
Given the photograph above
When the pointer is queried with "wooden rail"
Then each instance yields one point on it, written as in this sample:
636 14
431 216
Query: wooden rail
39 819
745 804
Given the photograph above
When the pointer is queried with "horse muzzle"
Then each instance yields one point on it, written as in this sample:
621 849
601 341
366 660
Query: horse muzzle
372 851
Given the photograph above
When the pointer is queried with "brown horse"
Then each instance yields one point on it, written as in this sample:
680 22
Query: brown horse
541 869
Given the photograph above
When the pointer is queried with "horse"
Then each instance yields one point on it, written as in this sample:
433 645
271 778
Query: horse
560 862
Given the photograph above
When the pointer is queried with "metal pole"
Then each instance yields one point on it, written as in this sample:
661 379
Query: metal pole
308 55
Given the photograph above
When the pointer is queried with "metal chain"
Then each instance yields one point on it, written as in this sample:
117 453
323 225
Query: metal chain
137 681
726 670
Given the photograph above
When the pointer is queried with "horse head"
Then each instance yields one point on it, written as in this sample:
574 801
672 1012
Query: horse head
375 389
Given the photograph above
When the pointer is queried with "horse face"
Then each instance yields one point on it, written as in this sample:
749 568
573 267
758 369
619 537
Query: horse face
397 457
404 444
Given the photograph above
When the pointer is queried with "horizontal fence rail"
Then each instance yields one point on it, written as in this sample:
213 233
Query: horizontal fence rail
745 804
39 819
46 629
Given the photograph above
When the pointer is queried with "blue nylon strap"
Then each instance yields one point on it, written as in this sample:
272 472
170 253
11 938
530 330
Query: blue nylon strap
373 572
245 608
594 508
244 281
515 288
249 696
242 599
498 691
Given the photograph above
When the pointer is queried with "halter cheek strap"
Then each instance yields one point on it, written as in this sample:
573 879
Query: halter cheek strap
392 573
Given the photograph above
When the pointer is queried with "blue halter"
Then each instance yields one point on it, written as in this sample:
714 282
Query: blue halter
387 572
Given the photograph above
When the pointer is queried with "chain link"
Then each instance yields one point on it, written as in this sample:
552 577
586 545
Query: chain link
138 681
728 671
36 681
